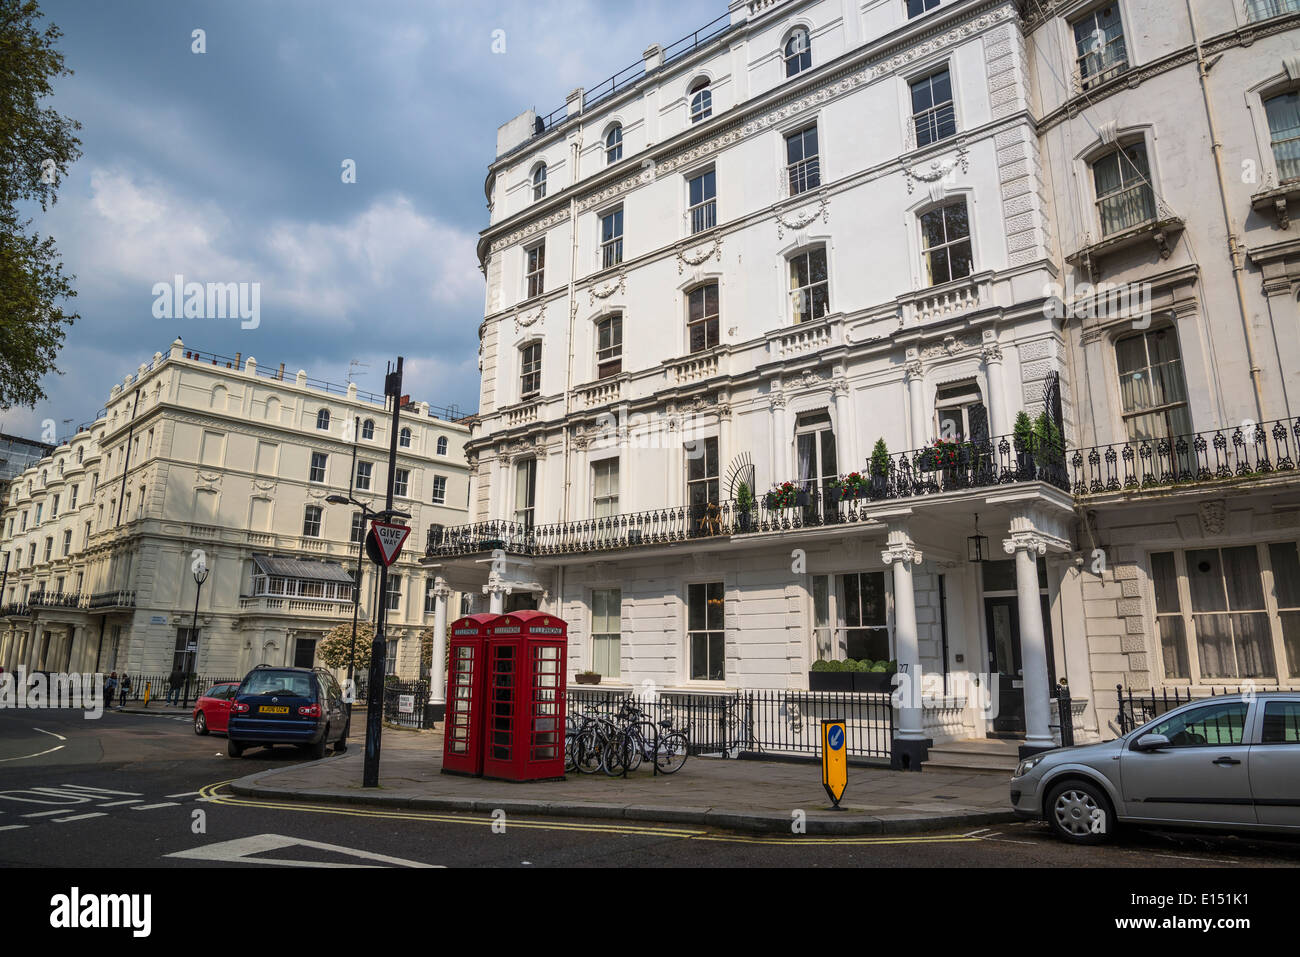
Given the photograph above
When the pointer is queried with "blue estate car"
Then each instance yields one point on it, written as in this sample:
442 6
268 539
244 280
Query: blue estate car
299 706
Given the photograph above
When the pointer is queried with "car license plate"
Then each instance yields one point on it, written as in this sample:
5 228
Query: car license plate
267 709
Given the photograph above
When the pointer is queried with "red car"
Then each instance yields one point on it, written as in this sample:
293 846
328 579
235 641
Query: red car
212 711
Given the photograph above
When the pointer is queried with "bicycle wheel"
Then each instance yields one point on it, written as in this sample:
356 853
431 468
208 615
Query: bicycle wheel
622 750
672 752
588 748
570 751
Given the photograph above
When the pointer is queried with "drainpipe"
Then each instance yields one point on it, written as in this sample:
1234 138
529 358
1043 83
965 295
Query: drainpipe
1234 246
575 149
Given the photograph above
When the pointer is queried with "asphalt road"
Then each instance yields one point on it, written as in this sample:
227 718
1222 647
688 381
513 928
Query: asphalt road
145 791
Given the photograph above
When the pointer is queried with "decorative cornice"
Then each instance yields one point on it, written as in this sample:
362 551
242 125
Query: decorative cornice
537 225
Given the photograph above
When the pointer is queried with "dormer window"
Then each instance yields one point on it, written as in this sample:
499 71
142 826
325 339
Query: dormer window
701 101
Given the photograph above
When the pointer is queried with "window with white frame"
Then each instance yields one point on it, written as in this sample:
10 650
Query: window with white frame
701 101
404 438
1283 113
850 616
614 144
1213 614
702 321
364 471
809 285
815 450
358 527
933 115
606 631
311 521
67 542
442 445
393 594
535 269
1153 393
609 346
1100 52
798 52
72 496
802 164
917 7
702 193
368 429
945 238
318 460
702 474
526 492
960 414
604 488
323 420
401 482
539 181
611 238
706 634
440 490
1122 180
530 370
430 595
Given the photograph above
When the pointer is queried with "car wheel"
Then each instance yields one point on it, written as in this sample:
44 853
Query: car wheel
234 749
317 750
1079 812
200 724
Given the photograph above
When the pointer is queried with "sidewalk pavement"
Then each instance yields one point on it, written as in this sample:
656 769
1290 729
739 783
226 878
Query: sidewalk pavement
741 795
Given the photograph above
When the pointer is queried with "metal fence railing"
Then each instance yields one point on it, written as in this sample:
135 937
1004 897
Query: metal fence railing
159 686
771 722
1137 709
404 703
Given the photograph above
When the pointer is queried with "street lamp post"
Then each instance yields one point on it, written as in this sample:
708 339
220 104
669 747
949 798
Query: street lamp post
200 576
356 585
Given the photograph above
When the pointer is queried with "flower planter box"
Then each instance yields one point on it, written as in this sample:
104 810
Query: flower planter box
874 682
586 679
830 680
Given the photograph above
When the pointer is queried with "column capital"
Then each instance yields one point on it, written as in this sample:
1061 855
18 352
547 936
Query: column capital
496 586
1028 541
912 368
904 552
992 352
441 590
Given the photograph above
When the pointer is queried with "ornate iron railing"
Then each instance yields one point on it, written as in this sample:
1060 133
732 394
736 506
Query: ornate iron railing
1183 459
937 469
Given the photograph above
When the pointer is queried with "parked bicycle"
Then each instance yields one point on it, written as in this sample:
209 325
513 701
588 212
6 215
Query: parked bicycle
641 739
585 744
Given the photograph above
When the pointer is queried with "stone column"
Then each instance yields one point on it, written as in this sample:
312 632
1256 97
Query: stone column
846 431
496 590
1027 547
916 399
996 399
910 746
437 674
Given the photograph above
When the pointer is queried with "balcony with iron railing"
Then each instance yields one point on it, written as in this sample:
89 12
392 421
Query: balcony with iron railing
935 470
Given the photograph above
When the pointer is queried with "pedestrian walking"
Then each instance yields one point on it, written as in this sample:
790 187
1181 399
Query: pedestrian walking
125 688
110 689
174 686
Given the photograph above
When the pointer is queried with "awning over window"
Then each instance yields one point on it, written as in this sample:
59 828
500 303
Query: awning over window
277 567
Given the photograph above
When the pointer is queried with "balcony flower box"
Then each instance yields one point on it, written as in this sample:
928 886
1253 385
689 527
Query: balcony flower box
943 454
864 677
785 495
587 678
853 486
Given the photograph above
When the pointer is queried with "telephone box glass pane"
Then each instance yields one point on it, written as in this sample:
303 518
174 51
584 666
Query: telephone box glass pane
503 698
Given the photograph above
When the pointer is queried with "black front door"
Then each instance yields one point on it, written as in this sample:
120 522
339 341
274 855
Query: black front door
304 653
1002 622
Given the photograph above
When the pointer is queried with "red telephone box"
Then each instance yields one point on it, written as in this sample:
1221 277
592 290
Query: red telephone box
524 739
462 743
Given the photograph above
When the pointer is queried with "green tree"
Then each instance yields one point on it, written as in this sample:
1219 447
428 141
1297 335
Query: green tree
333 648
37 145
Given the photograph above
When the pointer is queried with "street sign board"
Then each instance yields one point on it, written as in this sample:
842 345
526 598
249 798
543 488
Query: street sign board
387 540
406 704
835 764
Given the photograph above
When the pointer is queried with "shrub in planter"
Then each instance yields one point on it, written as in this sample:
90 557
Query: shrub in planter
852 486
826 675
1023 441
587 678
943 454
744 506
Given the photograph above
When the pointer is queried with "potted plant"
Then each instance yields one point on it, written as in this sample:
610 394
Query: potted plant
785 495
1047 442
875 677
832 675
1023 440
880 468
744 506
853 486
587 678
943 454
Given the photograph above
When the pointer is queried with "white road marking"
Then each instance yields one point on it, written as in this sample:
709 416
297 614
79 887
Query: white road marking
62 810
239 851
57 747
120 803
183 794
50 733
78 817
13 827
87 787
150 807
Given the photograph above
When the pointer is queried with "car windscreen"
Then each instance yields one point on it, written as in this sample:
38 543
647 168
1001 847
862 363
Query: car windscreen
291 683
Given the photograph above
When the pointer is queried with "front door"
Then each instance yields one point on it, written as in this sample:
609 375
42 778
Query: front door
304 652
1002 622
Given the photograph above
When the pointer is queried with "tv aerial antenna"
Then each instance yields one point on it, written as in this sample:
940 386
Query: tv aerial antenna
353 365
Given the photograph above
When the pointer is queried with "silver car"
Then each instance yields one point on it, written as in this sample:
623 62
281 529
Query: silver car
1230 763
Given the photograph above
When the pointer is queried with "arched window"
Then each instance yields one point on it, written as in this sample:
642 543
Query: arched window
60 466
539 181
368 429
45 477
614 144
442 445
798 52
81 455
323 420
701 101
404 438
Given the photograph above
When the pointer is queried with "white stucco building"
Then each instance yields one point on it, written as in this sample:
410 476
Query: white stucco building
201 452
819 224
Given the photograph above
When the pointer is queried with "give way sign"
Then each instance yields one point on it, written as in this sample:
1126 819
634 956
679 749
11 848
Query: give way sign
388 541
